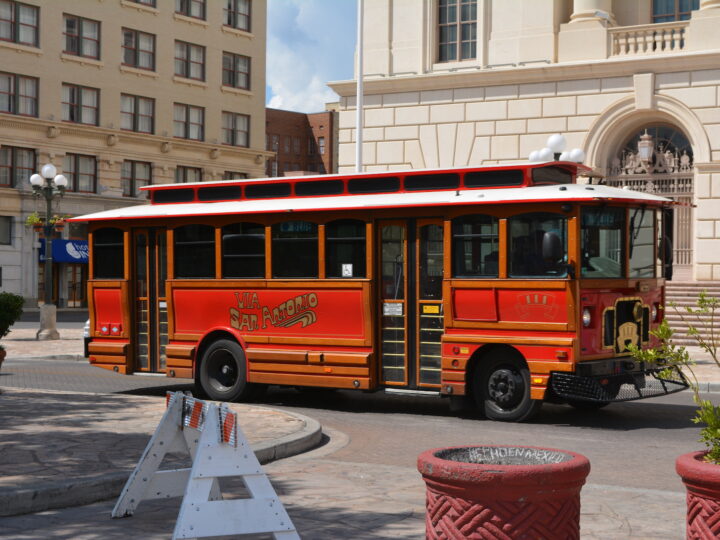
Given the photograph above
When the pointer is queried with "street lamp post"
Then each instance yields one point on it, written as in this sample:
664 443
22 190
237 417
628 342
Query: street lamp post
48 184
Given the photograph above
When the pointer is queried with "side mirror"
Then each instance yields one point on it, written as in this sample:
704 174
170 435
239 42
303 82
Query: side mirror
552 249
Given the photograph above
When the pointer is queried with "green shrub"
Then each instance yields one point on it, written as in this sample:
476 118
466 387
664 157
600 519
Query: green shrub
11 307
702 322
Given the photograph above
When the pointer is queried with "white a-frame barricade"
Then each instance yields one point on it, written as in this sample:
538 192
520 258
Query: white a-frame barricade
218 448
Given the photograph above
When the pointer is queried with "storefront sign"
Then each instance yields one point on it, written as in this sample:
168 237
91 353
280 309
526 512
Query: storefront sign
66 251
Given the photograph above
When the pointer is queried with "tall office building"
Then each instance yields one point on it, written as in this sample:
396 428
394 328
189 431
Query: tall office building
119 94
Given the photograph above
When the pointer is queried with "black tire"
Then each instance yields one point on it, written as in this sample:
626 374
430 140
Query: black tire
222 375
502 389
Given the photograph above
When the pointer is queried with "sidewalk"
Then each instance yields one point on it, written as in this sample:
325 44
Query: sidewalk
61 449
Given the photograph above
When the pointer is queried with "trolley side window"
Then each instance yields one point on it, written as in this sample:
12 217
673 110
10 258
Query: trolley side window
243 250
345 249
108 254
475 246
528 233
295 250
195 252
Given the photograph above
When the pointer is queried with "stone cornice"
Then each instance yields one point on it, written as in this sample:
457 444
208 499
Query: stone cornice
533 74
112 137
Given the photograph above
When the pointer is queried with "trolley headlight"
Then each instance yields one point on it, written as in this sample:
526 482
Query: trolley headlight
586 317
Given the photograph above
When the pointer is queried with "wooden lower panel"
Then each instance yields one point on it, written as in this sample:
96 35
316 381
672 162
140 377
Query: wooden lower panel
540 367
297 379
107 347
309 369
270 355
113 363
179 363
181 373
181 351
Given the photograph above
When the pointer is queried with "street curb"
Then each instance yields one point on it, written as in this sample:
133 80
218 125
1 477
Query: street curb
81 491
72 357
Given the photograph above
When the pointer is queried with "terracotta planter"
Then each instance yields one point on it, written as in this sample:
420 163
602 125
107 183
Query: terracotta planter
516 492
702 481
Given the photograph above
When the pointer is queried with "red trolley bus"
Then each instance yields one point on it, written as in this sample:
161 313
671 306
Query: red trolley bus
507 284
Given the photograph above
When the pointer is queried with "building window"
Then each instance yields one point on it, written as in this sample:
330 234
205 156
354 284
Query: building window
236 70
673 10
16 165
82 37
235 129
188 122
18 94
237 14
135 174
321 145
191 8
80 104
457 30
189 61
234 175
5 230
296 145
137 113
138 49
151 3
184 175
311 146
81 173
19 23
274 143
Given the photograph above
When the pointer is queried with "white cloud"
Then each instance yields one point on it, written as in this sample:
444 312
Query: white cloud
310 42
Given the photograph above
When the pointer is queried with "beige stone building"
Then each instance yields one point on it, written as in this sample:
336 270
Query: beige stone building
118 94
636 85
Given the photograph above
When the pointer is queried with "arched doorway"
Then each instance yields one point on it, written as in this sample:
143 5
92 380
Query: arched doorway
659 159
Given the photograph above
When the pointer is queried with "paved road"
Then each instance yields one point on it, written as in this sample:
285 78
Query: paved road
632 490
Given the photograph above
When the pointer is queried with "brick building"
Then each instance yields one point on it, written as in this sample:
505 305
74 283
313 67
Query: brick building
302 142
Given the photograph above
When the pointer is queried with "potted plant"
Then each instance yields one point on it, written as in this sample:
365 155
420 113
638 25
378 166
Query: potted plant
35 221
700 471
58 222
11 307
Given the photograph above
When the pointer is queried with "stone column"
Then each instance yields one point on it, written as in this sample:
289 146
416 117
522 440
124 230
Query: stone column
593 10
585 37
701 33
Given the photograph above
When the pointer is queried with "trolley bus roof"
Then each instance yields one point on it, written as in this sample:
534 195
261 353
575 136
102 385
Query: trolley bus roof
531 194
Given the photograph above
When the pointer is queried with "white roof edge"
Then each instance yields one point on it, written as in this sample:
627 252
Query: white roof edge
554 193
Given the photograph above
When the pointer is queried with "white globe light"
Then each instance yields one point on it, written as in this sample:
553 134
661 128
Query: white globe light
48 170
546 154
60 181
533 155
565 156
556 143
577 155
37 180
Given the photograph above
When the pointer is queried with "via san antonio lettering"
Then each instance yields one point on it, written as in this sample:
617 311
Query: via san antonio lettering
249 315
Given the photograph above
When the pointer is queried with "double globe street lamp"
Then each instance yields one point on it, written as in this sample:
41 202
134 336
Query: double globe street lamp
48 184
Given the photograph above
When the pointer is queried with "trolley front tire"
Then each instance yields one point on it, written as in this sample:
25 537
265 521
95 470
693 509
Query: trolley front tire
502 389
222 373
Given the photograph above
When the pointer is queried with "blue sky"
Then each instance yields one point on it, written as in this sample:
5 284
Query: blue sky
309 43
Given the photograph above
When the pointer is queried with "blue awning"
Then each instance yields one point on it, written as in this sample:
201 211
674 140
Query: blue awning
66 251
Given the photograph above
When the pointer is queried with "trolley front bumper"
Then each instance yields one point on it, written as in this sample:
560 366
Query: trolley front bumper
616 380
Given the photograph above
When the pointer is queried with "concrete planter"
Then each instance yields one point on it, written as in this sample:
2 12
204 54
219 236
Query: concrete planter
516 492
702 481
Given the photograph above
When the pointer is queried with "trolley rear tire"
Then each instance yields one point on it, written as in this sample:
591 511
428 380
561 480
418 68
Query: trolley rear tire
222 375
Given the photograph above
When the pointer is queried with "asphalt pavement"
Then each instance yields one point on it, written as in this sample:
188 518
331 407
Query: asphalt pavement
62 450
